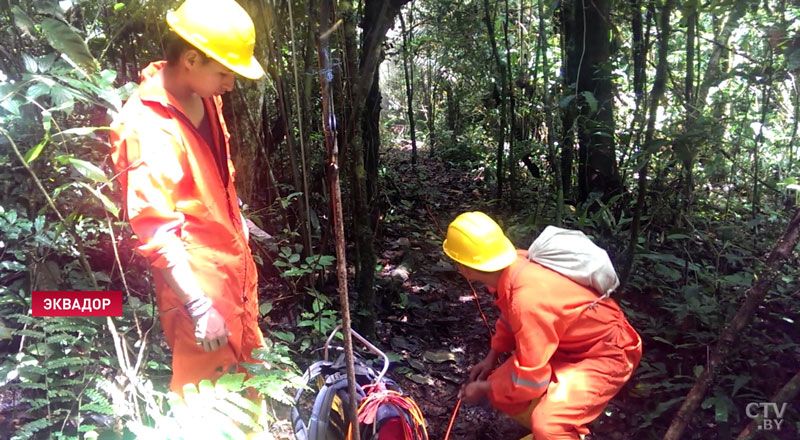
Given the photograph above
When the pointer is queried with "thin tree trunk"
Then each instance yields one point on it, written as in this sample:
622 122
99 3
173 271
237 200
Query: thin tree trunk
371 135
379 16
639 55
501 76
361 232
430 107
409 87
276 71
329 128
793 137
303 169
512 153
691 112
766 280
569 115
549 117
655 98
757 144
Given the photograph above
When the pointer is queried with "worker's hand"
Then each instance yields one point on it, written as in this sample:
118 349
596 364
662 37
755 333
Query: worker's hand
210 330
482 369
474 392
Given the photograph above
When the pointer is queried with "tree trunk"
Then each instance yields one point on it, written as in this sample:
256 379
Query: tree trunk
655 98
502 79
793 137
756 157
371 134
275 69
765 281
569 115
408 72
430 108
639 56
308 250
329 129
452 119
588 48
548 115
512 153
379 16
689 104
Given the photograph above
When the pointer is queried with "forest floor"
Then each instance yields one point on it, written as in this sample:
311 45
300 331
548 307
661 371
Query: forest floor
427 312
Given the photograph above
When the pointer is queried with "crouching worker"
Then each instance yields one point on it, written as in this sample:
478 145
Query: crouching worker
170 148
568 360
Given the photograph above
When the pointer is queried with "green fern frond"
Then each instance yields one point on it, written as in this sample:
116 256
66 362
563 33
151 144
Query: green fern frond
231 382
68 382
100 402
86 428
36 404
237 414
54 393
274 389
244 403
29 429
86 329
28 333
31 385
26 370
61 337
93 407
24 319
67 362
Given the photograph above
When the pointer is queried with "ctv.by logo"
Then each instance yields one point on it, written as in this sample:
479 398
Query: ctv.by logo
766 409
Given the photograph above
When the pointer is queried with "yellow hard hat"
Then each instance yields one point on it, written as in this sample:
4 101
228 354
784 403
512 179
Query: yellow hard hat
475 240
222 30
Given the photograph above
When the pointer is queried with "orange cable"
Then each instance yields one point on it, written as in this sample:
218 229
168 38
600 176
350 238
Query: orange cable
452 420
441 232
480 310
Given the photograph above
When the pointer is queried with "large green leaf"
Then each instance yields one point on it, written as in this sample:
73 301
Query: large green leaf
66 40
88 169
30 63
107 202
34 152
591 100
22 20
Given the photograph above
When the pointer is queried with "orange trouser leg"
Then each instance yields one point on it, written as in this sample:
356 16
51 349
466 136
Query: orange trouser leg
579 393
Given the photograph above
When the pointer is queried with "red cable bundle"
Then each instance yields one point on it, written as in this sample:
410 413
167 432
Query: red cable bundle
378 395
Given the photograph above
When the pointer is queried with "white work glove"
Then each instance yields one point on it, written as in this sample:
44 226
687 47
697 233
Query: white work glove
210 330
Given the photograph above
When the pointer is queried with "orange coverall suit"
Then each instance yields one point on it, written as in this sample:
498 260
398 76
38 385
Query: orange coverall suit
574 358
181 209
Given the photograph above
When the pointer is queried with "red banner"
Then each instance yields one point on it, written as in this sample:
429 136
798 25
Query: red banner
72 303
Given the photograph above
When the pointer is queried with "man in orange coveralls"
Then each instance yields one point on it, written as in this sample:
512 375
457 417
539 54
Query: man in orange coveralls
170 147
568 359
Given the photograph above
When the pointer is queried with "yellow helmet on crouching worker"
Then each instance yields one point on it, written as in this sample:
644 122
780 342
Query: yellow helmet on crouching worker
476 241
222 30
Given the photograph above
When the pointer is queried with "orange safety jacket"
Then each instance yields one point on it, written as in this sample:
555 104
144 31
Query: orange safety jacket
182 208
545 318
